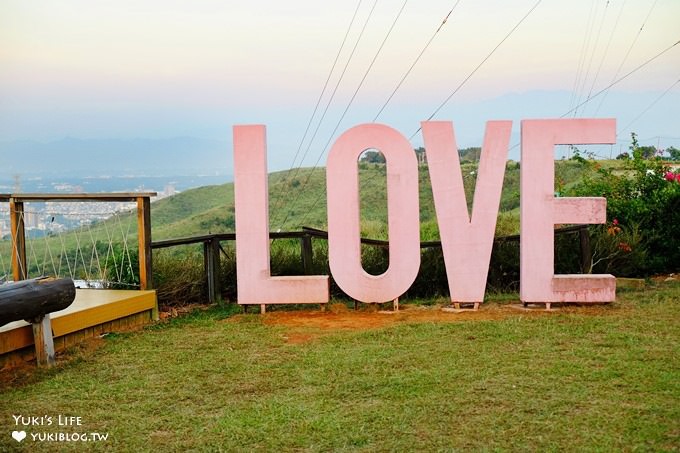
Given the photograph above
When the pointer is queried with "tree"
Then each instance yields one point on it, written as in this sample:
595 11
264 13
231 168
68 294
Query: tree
420 155
470 154
647 152
373 157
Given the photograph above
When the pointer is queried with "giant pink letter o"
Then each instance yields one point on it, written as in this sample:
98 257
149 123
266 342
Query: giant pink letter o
344 246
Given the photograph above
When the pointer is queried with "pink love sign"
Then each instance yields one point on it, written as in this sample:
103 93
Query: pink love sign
467 239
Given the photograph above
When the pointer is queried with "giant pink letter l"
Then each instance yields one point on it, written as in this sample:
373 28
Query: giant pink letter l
255 285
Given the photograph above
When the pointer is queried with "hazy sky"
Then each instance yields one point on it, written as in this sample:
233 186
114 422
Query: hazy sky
159 69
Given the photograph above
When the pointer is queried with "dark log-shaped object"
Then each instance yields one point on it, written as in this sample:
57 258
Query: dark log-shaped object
33 299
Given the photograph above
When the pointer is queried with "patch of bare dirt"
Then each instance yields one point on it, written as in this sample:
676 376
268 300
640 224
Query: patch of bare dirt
174 312
665 278
299 337
339 317
304 326
370 318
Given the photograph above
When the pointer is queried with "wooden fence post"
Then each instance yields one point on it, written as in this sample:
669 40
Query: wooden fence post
307 253
586 251
16 215
211 264
144 242
144 248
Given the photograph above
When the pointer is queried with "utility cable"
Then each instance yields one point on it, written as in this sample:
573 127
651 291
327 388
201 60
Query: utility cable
408 72
592 54
606 50
479 66
441 25
325 85
605 89
318 102
584 51
630 48
335 90
415 62
648 107
467 78
349 104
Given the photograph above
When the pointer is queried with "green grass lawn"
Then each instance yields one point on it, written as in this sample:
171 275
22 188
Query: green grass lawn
579 378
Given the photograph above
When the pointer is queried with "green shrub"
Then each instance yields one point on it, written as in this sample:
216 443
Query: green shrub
617 249
507 223
120 268
504 267
179 278
644 203
429 230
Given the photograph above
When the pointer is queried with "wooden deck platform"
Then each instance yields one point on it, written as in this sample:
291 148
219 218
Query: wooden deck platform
93 312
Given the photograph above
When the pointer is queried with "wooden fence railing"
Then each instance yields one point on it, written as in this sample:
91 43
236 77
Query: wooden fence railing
18 233
211 249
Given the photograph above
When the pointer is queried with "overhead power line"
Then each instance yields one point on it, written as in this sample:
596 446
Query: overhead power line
625 58
584 50
325 85
335 90
648 107
658 137
401 81
349 104
606 50
479 65
337 85
318 102
415 61
370 66
605 89
363 79
464 81
592 54
608 87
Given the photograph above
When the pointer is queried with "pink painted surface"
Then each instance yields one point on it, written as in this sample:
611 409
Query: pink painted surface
255 285
540 211
466 240
344 248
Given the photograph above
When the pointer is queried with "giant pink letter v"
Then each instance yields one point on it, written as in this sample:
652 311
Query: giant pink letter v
466 240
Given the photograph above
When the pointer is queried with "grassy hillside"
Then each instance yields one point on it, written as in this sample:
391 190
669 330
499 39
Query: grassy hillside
298 198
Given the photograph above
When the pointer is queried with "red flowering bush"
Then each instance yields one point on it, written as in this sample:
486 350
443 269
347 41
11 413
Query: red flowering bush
617 249
645 198
670 176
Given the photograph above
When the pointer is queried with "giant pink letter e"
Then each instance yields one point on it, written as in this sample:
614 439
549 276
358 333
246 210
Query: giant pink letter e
540 211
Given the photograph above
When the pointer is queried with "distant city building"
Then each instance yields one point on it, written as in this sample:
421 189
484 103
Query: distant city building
31 220
168 191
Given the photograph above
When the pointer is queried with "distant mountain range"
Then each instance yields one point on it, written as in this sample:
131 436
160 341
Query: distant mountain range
116 157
